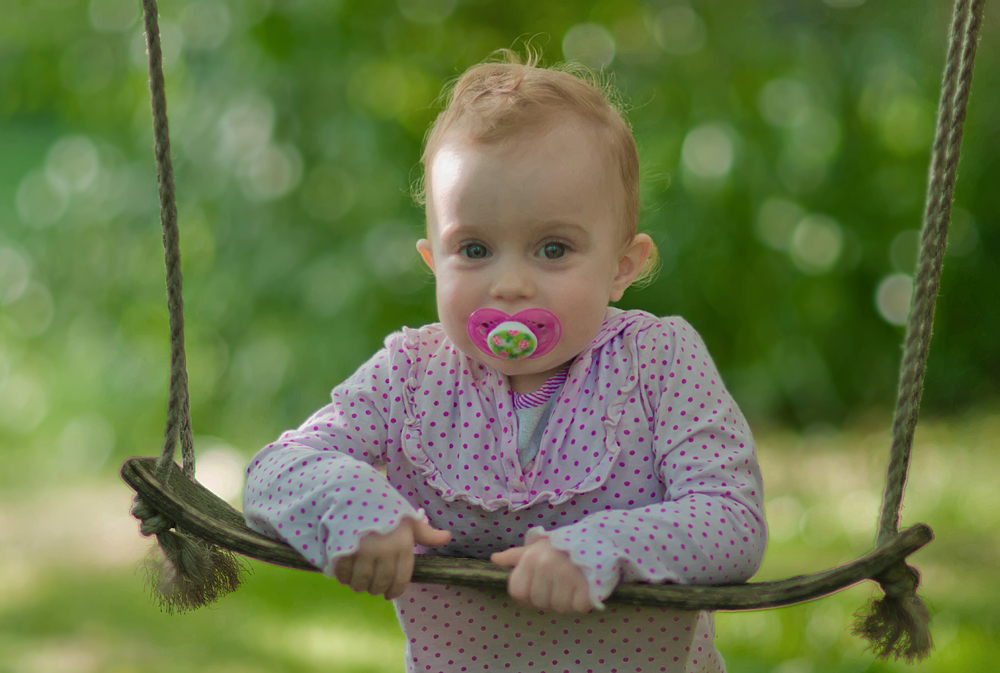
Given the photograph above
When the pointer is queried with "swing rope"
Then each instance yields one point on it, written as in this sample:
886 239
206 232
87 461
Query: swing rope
188 520
898 623
955 88
188 571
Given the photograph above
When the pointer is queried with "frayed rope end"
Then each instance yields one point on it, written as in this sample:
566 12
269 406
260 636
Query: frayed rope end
898 624
184 573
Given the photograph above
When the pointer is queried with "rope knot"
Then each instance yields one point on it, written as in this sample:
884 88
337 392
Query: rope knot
151 521
898 624
899 581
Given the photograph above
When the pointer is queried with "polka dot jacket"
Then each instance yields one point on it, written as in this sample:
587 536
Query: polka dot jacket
646 472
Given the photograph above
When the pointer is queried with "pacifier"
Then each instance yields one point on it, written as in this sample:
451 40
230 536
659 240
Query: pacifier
530 333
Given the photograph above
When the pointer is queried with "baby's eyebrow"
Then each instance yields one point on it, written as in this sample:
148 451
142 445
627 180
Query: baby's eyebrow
564 226
553 227
465 231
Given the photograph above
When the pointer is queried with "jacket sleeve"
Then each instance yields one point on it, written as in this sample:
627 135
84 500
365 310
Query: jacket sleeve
710 527
319 488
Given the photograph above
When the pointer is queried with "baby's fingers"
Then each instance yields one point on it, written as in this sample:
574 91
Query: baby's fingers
344 569
581 600
562 598
404 571
383 575
541 593
519 584
364 573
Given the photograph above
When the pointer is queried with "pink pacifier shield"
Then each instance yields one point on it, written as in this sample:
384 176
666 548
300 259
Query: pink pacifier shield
491 326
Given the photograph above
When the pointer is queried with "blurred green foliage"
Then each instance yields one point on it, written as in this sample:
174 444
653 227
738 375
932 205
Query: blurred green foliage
783 145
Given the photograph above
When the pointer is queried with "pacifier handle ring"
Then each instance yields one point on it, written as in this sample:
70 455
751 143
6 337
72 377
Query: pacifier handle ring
543 325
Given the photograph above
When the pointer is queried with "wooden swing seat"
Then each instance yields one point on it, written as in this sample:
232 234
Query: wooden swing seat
201 513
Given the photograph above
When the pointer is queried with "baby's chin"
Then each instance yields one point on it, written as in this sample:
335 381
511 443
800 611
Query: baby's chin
521 367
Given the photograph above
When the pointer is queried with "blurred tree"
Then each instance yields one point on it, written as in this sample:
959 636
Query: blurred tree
783 144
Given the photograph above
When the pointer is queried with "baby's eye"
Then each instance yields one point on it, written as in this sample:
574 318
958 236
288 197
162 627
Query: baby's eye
553 250
474 251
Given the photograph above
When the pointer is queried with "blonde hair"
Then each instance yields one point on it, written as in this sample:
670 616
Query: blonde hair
495 99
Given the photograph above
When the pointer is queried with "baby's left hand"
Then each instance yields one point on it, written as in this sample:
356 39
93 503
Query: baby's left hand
544 578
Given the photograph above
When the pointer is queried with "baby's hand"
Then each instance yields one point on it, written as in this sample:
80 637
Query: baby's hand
544 578
383 564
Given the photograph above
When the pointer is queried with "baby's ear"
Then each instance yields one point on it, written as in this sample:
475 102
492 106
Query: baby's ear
424 248
630 264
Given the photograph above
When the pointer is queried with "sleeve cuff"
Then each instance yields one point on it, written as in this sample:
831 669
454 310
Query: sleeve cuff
599 563
345 546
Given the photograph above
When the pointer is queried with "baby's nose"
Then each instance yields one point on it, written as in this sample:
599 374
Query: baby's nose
511 284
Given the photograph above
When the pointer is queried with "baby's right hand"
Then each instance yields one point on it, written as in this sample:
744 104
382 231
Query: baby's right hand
383 564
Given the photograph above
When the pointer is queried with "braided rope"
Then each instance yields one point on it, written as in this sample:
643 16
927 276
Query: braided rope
897 625
966 23
184 572
178 411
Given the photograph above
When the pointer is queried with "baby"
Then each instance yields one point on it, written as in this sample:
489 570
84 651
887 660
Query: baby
579 444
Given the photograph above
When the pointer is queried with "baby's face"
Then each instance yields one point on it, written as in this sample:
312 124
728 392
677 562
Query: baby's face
532 222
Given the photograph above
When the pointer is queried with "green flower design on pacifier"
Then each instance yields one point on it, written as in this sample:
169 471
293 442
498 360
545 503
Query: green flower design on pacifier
511 340
527 334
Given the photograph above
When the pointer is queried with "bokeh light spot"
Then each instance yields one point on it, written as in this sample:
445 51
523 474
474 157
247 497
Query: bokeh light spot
907 125
261 364
816 244
426 11
171 44
205 25
322 646
23 403
823 630
327 193
634 38
962 233
85 443
220 469
198 238
32 311
40 201
708 151
4 366
87 66
73 163
776 220
590 44
815 136
390 249
113 16
272 173
14 274
329 284
208 359
389 90
245 128
893 106
782 102
903 251
892 298
679 30
783 516
858 513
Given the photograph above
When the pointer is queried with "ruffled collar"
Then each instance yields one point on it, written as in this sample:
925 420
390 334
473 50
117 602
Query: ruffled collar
477 461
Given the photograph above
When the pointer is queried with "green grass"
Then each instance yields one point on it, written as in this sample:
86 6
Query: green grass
73 600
